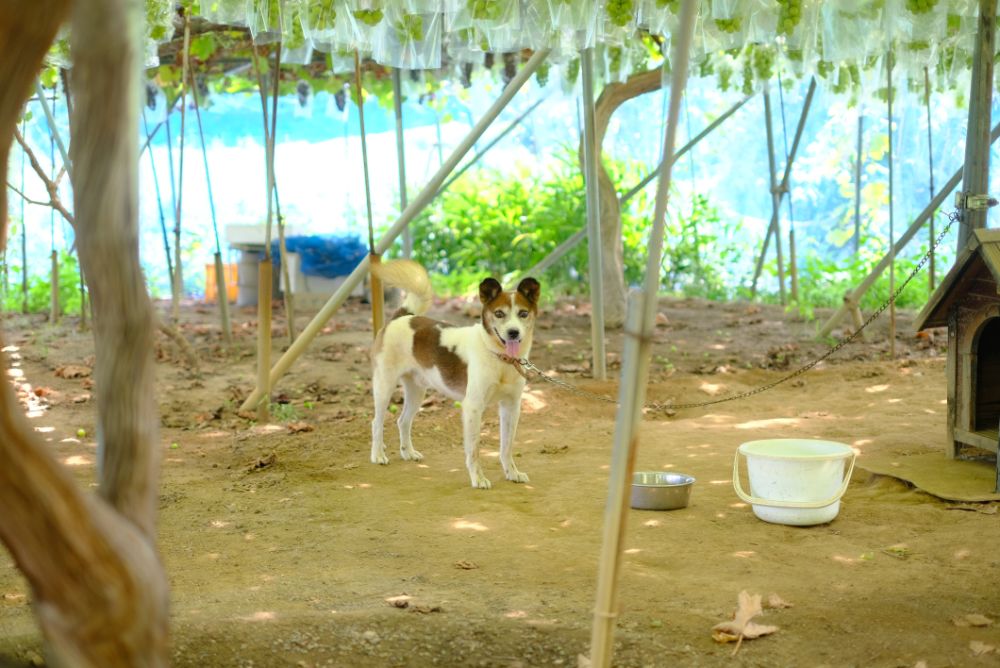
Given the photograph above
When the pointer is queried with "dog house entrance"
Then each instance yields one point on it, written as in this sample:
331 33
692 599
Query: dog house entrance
987 415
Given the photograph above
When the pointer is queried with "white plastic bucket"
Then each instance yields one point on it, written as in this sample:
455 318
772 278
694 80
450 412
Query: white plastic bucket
794 481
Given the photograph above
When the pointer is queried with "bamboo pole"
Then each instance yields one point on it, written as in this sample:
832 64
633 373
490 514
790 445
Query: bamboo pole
931 282
635 370
857 184
159 204
374 282
289 295
594 250
178 285
892 219
54 291
904 239
415 207
397 108
50 119
264 278
776 195
220 272
54 267
264 270
977 151
783 188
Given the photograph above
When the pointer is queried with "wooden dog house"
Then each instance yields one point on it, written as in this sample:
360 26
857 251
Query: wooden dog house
968 303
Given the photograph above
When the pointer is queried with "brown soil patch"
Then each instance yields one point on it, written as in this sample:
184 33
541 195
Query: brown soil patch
286 547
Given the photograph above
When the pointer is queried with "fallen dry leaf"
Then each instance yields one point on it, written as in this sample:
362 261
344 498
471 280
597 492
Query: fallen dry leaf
73 371
775 602
466 565
299 427
980 648
972 620
740 626
263 462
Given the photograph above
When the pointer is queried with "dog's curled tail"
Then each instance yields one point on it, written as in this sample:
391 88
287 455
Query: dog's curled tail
409 276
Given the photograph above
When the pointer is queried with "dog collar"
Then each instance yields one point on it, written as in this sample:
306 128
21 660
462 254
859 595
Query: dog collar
515 362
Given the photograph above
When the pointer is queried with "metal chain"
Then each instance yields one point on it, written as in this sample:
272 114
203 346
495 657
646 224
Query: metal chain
952 217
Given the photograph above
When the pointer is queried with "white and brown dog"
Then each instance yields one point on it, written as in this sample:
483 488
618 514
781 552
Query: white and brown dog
463 363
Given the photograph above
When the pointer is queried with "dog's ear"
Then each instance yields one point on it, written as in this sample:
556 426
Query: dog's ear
530 288
489 289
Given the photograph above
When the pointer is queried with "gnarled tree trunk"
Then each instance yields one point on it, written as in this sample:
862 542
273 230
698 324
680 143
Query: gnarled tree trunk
613 274
97 583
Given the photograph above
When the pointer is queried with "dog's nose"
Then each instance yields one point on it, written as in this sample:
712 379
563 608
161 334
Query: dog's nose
513 334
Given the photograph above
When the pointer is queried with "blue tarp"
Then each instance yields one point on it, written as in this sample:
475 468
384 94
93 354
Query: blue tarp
326 255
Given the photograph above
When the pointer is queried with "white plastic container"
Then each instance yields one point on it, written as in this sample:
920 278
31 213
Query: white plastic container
794 481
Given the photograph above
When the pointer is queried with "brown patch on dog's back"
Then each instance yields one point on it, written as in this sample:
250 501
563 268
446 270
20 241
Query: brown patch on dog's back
429 352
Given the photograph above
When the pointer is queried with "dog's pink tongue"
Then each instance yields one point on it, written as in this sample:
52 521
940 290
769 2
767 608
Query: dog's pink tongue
513 348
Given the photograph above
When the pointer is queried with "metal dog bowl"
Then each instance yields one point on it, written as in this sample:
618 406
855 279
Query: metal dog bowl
655 490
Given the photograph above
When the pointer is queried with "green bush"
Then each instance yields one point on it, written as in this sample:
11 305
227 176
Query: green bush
491 224
40 288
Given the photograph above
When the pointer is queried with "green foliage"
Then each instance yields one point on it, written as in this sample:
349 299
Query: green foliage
40 288
823 282
492 224
699 246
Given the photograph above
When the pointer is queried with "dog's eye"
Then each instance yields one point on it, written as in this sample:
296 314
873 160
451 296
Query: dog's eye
498 314
522 314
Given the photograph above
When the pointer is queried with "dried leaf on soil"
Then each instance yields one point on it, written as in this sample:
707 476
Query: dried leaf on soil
263 462
73 371
972 620
980 648
740 626
299 427
466 565
775 602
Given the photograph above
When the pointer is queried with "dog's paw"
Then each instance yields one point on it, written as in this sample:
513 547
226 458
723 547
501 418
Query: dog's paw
379 457
517 476
410 455
480 481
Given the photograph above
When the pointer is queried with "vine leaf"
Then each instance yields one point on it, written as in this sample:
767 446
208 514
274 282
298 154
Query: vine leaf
741 626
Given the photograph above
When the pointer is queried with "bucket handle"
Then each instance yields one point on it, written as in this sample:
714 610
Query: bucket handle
753 500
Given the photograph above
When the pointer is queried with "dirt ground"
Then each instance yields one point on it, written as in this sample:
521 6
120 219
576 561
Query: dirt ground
286 547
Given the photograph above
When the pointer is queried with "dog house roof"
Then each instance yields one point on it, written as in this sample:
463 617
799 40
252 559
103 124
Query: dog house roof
979 260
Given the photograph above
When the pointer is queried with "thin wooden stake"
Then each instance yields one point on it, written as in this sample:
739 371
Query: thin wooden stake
178 286
931 279
377 295
892 230
264 274
222 289
220 274
54 294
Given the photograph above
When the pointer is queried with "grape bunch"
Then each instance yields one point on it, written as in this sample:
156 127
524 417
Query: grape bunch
763 62
410 28
322 14
725 76
789 15
918 45
954 24
542 74
614 56
673 5
573 71
920 6
620 11
729 25
369 17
